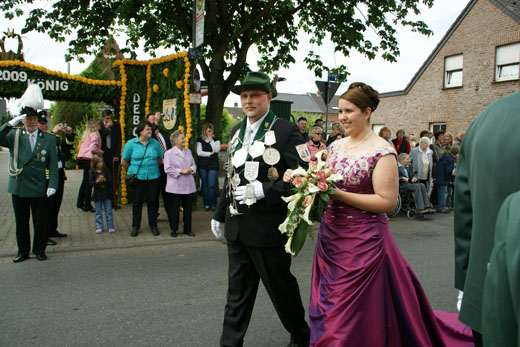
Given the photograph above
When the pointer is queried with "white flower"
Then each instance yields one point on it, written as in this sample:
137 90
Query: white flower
312 188
283 226
288 246
334 178
305 216
299 172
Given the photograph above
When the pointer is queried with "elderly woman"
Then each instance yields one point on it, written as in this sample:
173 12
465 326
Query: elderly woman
422 161
401 145
315 145
142 156
179 167
90 145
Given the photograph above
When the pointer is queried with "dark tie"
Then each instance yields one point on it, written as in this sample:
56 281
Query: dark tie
160 141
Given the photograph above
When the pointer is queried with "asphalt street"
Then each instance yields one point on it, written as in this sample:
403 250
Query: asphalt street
174 295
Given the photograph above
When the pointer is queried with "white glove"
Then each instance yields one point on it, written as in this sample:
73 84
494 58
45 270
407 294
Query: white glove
215 229
50 192
14 122
240 192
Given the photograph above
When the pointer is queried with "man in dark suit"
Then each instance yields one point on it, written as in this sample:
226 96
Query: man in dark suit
409 182
484 180
33 155
111 145
164 140
64 143
262 148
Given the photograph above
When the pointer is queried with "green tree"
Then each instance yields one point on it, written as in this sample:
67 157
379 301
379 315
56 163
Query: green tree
231 28
73 113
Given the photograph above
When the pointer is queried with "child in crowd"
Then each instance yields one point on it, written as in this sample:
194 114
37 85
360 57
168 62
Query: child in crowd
101 180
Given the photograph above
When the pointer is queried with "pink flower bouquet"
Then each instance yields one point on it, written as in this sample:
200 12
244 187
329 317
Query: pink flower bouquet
312 191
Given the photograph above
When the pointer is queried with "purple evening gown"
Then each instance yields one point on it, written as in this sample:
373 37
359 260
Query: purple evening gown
363 292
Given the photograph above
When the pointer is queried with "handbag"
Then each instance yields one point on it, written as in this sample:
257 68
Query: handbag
131 179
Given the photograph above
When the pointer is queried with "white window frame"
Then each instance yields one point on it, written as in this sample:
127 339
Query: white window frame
377 127
437 126
507 62
453 71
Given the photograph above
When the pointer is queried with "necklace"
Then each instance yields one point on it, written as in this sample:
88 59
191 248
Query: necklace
360 142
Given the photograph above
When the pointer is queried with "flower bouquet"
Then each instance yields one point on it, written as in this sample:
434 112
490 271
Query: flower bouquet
312 191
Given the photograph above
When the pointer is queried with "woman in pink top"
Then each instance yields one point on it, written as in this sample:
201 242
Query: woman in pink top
90 145
179 167
315 145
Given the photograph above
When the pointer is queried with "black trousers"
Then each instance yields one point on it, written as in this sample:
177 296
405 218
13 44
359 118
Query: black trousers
85 190
150 188
162 186
23 207
247 265
54 204
173 210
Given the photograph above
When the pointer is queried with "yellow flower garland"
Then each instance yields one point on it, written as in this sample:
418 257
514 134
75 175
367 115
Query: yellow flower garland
121 63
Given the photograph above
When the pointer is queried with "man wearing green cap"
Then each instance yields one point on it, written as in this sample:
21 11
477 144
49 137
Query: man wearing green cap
262 148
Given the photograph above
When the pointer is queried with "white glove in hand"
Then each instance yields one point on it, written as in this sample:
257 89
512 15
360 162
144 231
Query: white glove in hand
50 192
14 122
215 229
240 192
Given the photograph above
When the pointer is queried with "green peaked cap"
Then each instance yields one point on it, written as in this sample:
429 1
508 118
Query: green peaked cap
255 81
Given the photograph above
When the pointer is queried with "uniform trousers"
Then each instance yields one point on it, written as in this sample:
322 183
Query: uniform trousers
23 207
247 265
54 204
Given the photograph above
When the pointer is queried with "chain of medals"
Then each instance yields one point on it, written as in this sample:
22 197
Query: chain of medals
238 159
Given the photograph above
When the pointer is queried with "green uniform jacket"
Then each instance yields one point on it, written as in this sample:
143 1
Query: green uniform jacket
501 303
488 171
32 182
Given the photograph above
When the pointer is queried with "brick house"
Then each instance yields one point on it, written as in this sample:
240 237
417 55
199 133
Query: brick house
475 63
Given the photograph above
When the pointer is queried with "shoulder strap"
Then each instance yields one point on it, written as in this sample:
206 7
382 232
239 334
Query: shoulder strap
145 149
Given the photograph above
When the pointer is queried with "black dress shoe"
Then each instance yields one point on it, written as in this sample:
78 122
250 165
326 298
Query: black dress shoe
51 242
20 257
155 231
189 233
58 234
173 234
134 232
41 257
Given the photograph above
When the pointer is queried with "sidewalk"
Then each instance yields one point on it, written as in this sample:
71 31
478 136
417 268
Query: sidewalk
80 226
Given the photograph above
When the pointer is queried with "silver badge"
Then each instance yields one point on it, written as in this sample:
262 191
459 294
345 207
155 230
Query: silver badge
43 159
271 156
235 181
44 152
256 149
251 170
303 152
270 138
239 157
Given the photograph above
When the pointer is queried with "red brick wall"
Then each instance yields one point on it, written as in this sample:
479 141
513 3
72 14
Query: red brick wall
483 29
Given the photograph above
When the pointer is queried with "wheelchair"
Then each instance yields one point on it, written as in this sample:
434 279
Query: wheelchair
406 203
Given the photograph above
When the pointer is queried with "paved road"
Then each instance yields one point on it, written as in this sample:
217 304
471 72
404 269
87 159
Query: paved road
99 290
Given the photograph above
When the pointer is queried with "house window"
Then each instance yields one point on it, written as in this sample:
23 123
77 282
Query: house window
507 62
453 71
437 126
377 127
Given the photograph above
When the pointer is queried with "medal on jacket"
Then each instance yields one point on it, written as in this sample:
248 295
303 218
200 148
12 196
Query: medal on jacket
239 158
256 149
270 138
251 174
271 157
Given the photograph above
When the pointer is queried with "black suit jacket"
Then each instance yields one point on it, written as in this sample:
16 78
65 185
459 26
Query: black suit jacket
165 135
258 224
402 175
115 139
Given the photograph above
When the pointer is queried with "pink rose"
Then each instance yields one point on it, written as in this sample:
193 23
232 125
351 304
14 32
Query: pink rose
297 181
307 201
321 175
322 186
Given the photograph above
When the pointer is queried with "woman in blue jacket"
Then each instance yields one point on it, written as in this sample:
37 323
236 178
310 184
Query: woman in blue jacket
442 177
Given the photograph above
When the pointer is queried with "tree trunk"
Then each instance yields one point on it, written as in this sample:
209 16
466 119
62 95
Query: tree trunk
216 98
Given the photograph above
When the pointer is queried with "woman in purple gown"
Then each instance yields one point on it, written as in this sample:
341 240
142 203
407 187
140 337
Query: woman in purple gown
363 292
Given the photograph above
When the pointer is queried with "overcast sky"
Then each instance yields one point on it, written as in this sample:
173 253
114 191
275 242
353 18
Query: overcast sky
383 76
